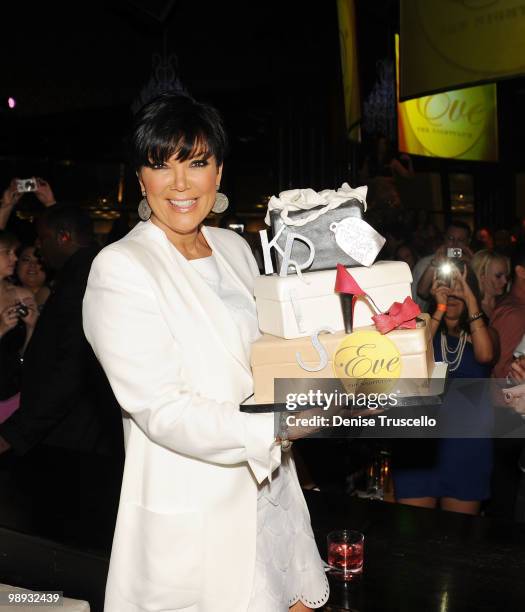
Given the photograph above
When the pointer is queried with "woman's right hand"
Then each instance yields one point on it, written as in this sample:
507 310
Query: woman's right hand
440 257
515 398
439 290
8 319
11 195
517 370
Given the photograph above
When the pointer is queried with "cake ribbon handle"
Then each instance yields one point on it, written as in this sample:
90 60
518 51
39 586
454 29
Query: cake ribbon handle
398 316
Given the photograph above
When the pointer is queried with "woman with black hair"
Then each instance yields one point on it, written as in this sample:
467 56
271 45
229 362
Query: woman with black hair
18 317
458 475
211 516
32 275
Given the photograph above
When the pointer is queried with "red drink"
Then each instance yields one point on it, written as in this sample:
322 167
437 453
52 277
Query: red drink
345 553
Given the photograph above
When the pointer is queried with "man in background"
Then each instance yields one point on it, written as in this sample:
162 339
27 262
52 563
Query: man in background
457 236
62 451
508 319
65 401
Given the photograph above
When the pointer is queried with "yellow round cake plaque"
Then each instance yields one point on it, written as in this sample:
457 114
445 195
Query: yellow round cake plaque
367 362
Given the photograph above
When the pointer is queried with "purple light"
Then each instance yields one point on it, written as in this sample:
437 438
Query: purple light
11 102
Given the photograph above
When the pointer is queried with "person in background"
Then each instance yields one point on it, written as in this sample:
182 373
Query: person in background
65 399
395 236
492 271
170 313
406 253
458 476
508 318
384 161
119 228
503 241
11 196
18 317
515 396
482 240
31 274
457 236
8 259
426 237
385 213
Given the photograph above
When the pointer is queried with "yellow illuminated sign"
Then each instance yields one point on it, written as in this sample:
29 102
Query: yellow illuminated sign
448 44
458 124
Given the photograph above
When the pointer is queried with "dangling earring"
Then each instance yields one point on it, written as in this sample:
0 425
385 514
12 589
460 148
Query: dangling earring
144 209
221 202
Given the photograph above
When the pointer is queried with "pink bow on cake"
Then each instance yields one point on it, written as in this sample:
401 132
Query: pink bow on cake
398 316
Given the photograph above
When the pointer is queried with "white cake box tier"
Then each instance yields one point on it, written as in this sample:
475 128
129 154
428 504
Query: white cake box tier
293 307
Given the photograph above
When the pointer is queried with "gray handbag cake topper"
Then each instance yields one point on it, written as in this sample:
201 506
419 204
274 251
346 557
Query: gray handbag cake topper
327 225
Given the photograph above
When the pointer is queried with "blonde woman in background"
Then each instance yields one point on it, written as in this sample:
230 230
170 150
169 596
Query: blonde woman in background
492 271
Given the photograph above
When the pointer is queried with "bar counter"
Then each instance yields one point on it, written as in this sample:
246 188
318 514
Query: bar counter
419 560
55 536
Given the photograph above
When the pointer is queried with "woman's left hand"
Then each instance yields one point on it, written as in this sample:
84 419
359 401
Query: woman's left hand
466 255
460 287
517 370
44 192
32 317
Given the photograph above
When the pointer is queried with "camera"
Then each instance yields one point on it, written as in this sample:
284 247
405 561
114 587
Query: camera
449 269
445 273
25 185
21 310
454 253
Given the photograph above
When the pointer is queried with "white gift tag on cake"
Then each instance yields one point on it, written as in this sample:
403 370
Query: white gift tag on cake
358 239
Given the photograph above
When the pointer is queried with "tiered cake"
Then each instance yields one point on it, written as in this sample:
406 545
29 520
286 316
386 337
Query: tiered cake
299 308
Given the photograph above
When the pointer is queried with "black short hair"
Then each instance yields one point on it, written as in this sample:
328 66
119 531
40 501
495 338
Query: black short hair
8 240
461 225
72 219
176 124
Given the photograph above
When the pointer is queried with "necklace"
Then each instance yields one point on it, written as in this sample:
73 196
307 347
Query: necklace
456 354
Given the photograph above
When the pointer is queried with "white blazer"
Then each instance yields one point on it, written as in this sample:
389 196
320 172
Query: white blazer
186 526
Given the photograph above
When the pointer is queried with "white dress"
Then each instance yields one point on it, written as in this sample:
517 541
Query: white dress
288 567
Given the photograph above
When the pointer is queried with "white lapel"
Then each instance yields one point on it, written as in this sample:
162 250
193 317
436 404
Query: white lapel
196 294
